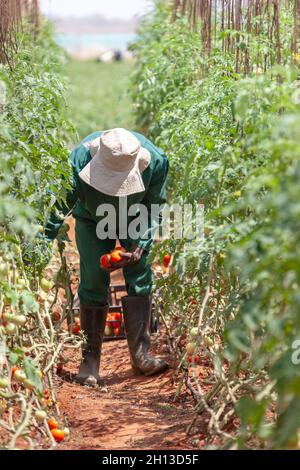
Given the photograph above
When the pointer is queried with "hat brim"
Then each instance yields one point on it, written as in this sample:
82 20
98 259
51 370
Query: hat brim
116 183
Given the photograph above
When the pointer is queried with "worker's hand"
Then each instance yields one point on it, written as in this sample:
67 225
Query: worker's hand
129 258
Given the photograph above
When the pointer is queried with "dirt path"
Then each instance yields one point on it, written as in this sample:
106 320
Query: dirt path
127 412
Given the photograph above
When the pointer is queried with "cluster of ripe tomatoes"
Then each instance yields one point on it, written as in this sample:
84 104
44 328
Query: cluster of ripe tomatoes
76 326
58 434
109 260
114 324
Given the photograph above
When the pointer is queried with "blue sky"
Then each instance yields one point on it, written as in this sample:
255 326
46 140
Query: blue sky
110 8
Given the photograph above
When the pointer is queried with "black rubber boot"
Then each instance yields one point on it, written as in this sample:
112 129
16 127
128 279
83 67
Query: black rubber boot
92 321
137 317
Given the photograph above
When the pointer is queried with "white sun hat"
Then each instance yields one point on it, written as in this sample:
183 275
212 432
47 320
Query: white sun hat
116 168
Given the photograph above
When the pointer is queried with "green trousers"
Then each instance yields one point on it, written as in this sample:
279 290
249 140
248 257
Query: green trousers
94 282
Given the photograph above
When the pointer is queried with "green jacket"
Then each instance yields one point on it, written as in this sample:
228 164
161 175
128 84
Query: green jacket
83 200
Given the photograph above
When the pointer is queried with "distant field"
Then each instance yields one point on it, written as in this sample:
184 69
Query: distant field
99 96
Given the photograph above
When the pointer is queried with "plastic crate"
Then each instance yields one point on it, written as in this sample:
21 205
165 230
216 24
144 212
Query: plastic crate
116 307
116 291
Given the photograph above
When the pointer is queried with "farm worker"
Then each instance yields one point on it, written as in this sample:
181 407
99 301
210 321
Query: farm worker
108 168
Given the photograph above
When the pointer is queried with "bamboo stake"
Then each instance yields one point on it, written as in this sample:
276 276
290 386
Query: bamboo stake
259 18
11 15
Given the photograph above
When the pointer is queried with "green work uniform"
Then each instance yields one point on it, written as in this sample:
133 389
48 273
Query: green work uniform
84 200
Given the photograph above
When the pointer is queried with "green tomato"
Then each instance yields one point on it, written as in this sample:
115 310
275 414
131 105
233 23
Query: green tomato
208 341
4 270
191 348
293 442
40 416
19 320
8 317
19 376
11 329
21 283
3 382
45 285
194 333
66 432
29 384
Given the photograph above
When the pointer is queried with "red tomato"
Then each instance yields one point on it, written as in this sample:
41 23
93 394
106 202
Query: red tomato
56 316
116 257
76 329
13 370
117 316
4 323
76 326
46 394
58 435
167 260
196 359
117 331
105 261
53 424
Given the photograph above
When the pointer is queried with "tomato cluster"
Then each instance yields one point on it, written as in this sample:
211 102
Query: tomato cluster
109 260
76 326
58 434
114 325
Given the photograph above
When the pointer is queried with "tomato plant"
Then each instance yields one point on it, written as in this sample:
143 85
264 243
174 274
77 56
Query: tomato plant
34 172
233 144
